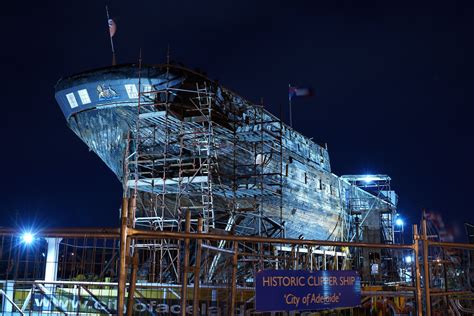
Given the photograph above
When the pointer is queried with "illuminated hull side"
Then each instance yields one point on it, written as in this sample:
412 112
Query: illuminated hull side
184 142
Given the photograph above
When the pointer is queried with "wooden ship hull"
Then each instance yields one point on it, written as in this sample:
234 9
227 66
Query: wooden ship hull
179 141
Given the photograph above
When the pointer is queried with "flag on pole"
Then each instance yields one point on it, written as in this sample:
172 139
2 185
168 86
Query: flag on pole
112 27
112 30
299 92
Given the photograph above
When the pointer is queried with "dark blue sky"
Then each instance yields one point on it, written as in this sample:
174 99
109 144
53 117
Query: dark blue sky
393 90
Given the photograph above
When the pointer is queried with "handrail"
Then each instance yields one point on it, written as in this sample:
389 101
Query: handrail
2 292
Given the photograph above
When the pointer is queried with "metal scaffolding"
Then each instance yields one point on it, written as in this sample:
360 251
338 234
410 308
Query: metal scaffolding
174 164
371 212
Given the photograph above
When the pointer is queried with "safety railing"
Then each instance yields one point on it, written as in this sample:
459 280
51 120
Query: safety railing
76 271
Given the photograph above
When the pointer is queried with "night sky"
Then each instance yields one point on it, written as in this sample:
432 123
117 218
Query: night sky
393 91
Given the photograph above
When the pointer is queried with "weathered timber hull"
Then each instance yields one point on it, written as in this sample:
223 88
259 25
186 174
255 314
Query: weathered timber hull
231 161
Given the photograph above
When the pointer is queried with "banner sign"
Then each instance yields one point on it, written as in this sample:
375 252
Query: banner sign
284 290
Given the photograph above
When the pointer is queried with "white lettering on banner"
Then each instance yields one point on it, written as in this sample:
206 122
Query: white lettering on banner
74 305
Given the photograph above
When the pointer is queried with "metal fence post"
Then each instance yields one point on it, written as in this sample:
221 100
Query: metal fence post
426 267
234 278
122 258
184 286
197 271
133 284
416 250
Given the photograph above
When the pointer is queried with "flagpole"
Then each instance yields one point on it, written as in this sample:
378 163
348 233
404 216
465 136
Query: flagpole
289 103
111 37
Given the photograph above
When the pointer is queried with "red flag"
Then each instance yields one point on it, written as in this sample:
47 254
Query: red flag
112 27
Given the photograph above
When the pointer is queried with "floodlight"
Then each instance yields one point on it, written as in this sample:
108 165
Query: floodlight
27 238
369 178
399 222
408 259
